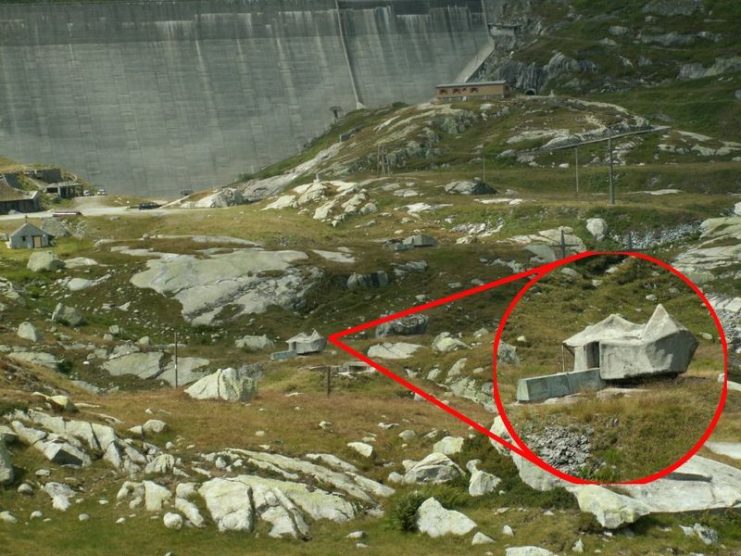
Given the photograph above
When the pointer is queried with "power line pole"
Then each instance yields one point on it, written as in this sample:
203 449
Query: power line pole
483 165
176 359
612 182
576 158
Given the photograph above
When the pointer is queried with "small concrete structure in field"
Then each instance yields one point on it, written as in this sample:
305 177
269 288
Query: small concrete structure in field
621 349
411 242
303 344
356 367
539 388
616 349
29 236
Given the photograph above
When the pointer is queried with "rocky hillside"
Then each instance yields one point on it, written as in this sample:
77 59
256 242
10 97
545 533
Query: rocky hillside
105 441
678 59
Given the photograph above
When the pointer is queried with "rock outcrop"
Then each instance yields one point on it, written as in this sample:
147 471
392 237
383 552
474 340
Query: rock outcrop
436 521
225 384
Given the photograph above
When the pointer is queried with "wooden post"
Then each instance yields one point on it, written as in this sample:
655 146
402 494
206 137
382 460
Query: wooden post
329 380
612 183
576 160
176 359
483 165
563 245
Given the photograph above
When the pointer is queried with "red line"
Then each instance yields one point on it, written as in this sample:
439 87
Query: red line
429 397
438 302
521 448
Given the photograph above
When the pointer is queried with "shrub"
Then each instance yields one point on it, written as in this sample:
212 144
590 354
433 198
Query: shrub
403 512
65 367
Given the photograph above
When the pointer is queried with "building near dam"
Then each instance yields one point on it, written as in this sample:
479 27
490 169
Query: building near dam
472 90
151 98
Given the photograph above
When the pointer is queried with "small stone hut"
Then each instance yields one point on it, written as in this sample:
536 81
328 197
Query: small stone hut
621 349
303 343
29 236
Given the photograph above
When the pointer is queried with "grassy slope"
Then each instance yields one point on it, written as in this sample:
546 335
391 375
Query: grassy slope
706 105
358 406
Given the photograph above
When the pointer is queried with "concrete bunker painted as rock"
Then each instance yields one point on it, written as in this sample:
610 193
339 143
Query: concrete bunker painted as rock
616 349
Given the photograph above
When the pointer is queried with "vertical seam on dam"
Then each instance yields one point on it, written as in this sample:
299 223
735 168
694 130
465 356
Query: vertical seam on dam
350 70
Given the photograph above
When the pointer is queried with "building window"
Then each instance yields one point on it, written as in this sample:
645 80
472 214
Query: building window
474 89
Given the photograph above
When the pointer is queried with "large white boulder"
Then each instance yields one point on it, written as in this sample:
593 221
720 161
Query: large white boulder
444 343
28 331
436 468
406 326
528 551
144 365
728 449
190 369
44 261
535 476
154 426
316 503
67 315
190 511
449 445
482 483
611 510
155 496
63 453
254 343
387 350
480 538
436 521
597 227
225 384
60 494
229 503
173 520
249 280
469 187
273 506
362 448
6 465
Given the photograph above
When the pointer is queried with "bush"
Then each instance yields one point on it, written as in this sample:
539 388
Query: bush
403 512
65 367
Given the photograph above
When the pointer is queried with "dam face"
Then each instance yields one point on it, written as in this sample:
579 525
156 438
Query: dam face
153 97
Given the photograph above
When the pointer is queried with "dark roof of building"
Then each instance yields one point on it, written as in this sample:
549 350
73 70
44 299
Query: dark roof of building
29 229
8 193
472 84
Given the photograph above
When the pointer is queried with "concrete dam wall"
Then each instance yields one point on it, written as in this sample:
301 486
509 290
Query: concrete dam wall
152 97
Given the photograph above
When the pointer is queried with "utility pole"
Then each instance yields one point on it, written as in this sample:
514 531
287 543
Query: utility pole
176 359
329 380
612 182
576 163
563 245
483 166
